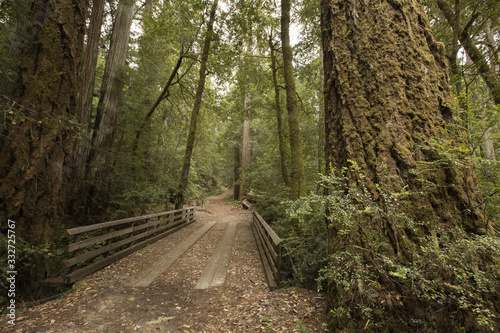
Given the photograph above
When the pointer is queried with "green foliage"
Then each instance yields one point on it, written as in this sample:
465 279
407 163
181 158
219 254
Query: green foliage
302 228
446 279
27 261
147 195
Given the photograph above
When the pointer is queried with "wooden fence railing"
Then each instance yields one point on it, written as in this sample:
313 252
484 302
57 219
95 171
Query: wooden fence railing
269 245
98 245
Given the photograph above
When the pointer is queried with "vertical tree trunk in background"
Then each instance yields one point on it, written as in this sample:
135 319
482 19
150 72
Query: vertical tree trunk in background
108 109
279 118
489 145
148 4
236 173
245 148
39 133
494 56
86 96
321 132
196 107
297 175
386 98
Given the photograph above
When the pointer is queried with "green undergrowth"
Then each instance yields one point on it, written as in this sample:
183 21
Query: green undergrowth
32 265
304 241
445 280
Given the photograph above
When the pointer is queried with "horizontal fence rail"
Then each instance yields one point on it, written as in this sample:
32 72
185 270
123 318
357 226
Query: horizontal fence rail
269 245
98 245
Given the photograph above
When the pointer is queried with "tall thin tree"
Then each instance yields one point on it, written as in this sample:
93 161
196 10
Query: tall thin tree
197 105
279 116
297 174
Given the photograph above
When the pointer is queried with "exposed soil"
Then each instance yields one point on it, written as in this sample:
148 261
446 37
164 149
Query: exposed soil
106 302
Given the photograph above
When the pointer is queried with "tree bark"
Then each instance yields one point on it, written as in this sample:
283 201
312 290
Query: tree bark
245 148
108 108
279 118
297 175
39 133
386 98
236 174
86 96
197 106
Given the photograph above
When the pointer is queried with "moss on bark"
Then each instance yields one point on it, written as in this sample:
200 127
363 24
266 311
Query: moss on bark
386 99
40 128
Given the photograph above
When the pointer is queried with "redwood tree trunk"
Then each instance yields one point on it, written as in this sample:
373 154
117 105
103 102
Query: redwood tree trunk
108 109
236 174
386 99
297 175
196 107
386 96
39 133
245 148
86 96
279 117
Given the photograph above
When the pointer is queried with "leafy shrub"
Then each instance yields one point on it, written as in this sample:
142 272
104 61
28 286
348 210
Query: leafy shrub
446 279
304 237
27 266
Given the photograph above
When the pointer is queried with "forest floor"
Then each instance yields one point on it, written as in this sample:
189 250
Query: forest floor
108 300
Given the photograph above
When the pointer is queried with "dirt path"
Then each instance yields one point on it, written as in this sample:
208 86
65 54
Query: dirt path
110 301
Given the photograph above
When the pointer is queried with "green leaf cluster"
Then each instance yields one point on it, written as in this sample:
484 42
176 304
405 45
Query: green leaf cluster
447 278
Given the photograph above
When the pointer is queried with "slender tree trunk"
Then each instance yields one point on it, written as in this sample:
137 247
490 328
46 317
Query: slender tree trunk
163 95
39 132
245 149
386 98
86 96
236 173
494 57
197 105
279 118
489 144
297 175
108 108
487 73
321 133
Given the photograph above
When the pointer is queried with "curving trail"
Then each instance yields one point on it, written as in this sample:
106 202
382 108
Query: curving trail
206 277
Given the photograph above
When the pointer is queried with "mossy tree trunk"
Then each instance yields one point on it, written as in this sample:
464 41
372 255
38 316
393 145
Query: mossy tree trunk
40 131
196 106
386 98
297 174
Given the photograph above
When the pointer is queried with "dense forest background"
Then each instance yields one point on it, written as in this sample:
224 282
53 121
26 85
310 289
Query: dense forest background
365 132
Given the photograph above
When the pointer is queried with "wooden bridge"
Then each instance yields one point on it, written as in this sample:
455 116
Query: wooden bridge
98 245
207 269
